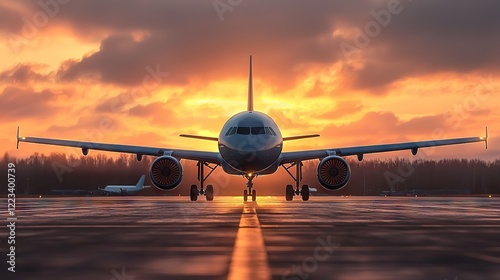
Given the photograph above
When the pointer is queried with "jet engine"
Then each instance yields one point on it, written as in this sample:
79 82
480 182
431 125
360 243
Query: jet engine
333 172
166 173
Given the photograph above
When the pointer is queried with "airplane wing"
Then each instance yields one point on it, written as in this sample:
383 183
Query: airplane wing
288 157
210 157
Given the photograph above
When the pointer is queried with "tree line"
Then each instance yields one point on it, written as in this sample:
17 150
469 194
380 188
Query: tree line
39 174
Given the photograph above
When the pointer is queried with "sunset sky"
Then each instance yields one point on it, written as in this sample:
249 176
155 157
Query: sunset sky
356 72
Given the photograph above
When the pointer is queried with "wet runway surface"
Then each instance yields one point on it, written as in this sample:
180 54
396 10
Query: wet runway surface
122 238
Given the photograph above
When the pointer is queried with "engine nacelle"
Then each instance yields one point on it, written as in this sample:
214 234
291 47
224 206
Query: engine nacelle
333 172
166 173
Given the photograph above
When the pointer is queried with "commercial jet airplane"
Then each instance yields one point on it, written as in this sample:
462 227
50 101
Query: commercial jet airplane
125 189
250 144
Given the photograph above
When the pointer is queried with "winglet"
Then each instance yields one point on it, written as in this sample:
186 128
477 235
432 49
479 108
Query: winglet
250 88
17 139
486 138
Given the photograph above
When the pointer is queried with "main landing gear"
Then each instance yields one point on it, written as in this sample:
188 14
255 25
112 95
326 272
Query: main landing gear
289 191
209 191
250 191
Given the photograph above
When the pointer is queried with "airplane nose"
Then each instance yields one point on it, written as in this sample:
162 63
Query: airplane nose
248 155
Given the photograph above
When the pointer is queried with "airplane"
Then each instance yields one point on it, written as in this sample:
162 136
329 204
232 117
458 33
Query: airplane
125 189
250 144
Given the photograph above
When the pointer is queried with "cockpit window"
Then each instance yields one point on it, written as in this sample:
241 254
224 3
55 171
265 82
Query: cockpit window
258 130
231 131
272 131
245 130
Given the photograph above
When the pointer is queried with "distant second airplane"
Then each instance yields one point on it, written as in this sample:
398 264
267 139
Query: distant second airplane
125 189
250 144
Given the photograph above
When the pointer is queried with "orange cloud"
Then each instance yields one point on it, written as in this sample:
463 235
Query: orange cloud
142 72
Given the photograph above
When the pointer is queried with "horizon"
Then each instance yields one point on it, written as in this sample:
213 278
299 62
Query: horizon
369 177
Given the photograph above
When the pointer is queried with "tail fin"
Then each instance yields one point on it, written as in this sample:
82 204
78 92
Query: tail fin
250 88
140 184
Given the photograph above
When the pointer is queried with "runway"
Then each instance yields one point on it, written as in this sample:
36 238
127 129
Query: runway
344 238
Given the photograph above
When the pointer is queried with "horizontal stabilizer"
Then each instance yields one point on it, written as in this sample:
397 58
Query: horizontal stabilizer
300 137
199 137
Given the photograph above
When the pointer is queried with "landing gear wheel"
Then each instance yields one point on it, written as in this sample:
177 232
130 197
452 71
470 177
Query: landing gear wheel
194 193
254 195
289 192
305 192
245 195
209 193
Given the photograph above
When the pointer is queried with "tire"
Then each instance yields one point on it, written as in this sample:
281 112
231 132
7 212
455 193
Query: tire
305 192
194 193
245 195
254 195
289 193
209 193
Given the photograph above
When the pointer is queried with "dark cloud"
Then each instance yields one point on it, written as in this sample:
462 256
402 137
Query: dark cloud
11 17
433 36
115 104
120 60
188 40
18 103
23 73
151 109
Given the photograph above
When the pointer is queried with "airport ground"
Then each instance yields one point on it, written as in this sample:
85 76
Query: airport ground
138 238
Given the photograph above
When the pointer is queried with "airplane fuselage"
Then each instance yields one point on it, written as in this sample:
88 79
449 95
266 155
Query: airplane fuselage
250 142
122 189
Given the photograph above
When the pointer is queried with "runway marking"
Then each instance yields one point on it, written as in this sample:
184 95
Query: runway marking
249 260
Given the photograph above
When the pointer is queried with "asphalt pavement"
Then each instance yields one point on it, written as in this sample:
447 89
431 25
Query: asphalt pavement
125 238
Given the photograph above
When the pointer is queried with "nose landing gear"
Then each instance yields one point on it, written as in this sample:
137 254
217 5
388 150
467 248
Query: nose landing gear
250 191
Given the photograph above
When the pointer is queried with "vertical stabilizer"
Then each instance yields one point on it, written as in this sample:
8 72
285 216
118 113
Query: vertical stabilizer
140 184
250 88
